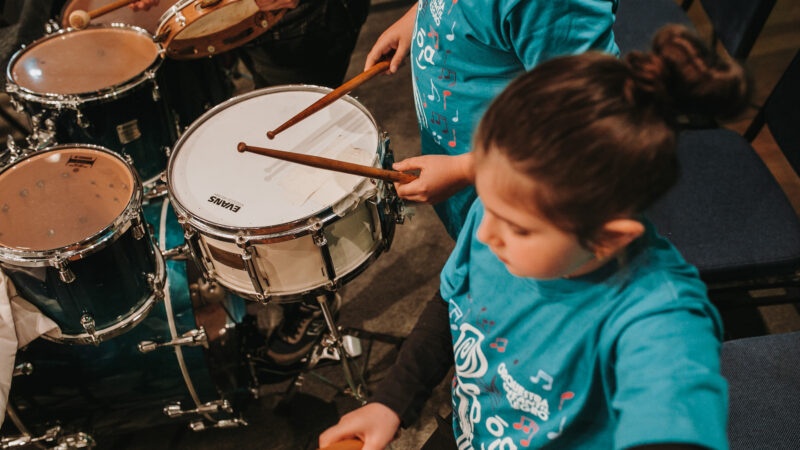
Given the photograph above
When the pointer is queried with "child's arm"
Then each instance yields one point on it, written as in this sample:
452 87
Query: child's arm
398 38
424 359
440 177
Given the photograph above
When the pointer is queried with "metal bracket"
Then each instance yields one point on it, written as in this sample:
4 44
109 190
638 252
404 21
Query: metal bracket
174 411
200 425
51 436
191 338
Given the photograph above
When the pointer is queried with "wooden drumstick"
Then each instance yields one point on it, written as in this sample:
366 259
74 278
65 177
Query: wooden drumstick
347 444
80 19
329 98
331 164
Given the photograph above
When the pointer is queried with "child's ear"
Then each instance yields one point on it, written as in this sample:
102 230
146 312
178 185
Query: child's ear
615 235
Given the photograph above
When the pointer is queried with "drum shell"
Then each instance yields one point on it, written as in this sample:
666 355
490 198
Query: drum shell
114 388
110 284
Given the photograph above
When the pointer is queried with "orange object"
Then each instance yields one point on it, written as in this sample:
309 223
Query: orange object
347 444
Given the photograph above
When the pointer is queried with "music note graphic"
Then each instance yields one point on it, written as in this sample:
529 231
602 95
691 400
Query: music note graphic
531 429
455 119
439 119
552 434
453 142
542 375
446 73
446 94
433 33
451 7
565 396
499 344
451 36
431 96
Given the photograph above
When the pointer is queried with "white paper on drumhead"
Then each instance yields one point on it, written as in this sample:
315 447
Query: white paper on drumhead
216 183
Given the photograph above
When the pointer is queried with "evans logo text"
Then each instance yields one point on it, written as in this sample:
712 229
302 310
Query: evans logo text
224 203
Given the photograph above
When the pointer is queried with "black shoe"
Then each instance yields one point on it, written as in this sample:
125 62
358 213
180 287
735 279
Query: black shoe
303 324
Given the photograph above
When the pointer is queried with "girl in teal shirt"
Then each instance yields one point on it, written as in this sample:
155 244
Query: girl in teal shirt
570 322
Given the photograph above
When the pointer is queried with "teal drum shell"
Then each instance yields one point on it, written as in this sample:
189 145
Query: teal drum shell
114 388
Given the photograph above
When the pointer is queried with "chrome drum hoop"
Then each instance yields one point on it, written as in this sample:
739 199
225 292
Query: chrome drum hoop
74 100
91 244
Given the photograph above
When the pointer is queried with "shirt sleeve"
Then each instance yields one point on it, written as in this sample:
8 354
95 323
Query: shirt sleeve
424 359
668 383
541 30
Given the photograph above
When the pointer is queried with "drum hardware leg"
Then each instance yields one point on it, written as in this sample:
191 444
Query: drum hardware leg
336 342
87 322
191 338
174 410
25 368
179 253
200 425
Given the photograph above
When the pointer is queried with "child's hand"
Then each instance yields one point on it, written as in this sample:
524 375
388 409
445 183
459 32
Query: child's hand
398 38
440 177
374 424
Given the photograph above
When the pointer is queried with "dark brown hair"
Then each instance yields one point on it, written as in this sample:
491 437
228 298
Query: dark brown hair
598 134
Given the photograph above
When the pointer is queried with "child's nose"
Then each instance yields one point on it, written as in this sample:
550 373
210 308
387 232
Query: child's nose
486 232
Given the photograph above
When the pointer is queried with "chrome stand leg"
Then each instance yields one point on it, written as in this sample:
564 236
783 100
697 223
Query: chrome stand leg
357 387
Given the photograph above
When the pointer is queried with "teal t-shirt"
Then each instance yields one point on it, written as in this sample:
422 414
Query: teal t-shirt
626 355
464 52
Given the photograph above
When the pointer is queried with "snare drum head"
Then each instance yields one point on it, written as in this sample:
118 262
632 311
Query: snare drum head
60 197
211 180
83 61
144 19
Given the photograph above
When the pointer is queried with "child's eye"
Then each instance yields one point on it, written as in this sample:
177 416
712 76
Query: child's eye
519 231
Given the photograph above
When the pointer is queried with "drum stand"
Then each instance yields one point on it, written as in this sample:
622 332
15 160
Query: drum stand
341 344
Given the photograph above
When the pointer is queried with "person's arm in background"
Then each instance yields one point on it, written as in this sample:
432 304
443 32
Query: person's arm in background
423 360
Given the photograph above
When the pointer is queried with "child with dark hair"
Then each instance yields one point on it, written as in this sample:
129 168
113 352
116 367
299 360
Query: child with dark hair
572 324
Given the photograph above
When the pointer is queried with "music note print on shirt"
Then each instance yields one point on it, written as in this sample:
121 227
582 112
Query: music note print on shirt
530 430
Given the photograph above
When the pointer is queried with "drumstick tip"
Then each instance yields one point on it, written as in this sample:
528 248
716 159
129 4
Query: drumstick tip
241 147
271 134
79 19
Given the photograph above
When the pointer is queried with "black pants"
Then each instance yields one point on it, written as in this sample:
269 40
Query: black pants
311 44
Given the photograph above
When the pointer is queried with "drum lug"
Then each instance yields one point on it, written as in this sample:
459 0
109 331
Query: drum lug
191 338
64 272
87 322
24 368
181 19
12 100
247 259
174 411
128 158
51 27
156 285
80 119
138 228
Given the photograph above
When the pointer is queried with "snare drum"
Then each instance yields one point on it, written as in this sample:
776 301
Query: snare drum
74 241
197 28
266 228
97 86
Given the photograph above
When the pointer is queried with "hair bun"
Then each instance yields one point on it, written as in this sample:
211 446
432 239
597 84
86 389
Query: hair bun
682 73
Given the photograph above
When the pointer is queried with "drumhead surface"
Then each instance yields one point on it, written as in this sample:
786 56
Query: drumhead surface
82 61
60 197
216 183
148 20
219 20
